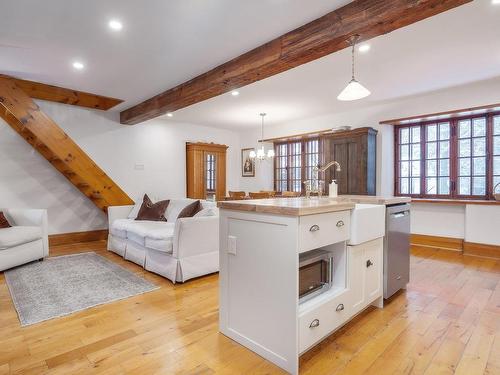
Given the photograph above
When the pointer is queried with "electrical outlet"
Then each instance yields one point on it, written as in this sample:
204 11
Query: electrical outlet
231 245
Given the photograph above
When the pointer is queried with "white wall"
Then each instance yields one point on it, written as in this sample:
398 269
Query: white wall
482 224
438 220
28 180
472 95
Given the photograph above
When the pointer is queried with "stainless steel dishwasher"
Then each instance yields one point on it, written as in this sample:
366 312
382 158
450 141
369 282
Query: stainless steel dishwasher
396 248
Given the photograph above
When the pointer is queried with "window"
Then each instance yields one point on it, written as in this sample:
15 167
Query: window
294 162
210 174
457 158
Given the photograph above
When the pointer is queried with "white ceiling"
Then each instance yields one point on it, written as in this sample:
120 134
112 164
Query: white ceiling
450 49
163 42
168 42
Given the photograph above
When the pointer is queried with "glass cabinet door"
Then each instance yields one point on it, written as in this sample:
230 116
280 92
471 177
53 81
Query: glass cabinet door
210 176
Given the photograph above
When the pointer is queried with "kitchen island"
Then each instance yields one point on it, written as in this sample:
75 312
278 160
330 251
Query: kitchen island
261 242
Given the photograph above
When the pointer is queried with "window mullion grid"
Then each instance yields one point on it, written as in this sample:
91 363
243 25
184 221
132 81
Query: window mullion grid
453 158
303 166
489 157
397 158
423 173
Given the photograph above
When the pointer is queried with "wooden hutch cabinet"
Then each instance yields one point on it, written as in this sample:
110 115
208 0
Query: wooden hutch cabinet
206 170
356 151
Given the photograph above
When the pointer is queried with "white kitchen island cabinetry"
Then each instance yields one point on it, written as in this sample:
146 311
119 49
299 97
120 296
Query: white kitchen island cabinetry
260 243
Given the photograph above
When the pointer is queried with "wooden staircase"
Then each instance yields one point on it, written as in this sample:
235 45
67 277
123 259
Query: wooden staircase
45 136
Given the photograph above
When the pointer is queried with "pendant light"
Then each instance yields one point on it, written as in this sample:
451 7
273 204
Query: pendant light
261 153
354 90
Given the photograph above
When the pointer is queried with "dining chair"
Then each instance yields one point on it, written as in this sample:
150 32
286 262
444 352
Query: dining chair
259 195
271 193
290 194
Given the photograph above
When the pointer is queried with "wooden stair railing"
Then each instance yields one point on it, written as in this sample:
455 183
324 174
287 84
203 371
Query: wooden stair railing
45 136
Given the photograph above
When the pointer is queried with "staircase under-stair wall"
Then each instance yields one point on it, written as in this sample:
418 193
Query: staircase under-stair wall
19 110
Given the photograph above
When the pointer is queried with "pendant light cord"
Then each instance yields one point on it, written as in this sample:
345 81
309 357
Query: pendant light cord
262 130
262 115
354 40
353 44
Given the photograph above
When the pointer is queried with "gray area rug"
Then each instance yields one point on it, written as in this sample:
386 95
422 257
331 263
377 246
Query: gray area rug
63 285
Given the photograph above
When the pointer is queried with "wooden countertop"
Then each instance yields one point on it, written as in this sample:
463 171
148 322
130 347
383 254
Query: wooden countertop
288 206
375 199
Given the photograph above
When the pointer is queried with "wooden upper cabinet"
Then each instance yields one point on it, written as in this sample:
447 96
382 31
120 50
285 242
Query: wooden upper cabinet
206 170
356 151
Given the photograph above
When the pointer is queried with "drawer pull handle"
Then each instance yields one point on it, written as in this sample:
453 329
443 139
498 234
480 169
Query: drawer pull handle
314 323
369 263
340 224
314 228
340 307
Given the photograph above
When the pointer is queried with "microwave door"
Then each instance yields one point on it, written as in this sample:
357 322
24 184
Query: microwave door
311 277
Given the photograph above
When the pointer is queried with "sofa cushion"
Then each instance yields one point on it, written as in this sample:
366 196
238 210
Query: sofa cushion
211 211
18 235
135 209
119 227
137 238
152 211
140 231
190 210
175 207
4 223
165 246
208 204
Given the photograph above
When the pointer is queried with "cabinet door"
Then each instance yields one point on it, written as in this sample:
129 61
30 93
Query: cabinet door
373 270
357 272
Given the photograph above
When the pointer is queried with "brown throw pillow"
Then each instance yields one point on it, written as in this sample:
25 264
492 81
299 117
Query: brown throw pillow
190 210
152 212
4 223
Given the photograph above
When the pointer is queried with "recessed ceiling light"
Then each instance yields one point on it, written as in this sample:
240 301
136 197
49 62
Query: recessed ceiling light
78 65
364 48
170 114
115 25
495 2
235 93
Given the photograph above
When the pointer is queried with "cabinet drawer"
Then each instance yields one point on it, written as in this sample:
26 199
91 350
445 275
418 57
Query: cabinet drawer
323 320
323 229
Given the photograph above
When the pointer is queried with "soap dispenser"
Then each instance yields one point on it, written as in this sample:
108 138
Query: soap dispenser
333 189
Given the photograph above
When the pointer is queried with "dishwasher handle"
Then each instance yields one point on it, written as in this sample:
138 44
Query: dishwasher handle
399 214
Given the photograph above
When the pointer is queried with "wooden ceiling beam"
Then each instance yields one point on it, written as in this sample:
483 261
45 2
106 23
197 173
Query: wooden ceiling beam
321 37
37 90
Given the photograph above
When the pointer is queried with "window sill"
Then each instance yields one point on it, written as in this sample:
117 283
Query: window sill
455 201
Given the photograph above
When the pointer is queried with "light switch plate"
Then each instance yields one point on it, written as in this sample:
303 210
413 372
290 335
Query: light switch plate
139 167
231 245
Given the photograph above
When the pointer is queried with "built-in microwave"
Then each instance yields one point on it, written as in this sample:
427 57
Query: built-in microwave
315 273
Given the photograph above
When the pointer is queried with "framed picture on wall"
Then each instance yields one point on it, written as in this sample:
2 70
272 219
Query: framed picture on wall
247 163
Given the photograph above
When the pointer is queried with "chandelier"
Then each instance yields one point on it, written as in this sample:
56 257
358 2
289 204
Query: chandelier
261 153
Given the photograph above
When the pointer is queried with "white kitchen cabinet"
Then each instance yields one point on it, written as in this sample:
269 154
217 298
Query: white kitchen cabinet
318 323
365 273
260 246
320 230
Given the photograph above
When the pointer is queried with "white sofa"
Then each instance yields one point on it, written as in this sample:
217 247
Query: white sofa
27 240
178 249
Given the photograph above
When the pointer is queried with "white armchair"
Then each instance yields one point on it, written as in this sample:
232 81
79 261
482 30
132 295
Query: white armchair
27 240
178 249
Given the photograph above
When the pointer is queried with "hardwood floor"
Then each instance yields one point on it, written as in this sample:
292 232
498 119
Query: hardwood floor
447 321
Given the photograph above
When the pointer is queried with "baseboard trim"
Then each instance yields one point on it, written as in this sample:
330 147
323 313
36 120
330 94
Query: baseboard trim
447 243
77 237
482 250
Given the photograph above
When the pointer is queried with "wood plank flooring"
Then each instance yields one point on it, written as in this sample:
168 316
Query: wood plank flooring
448 321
